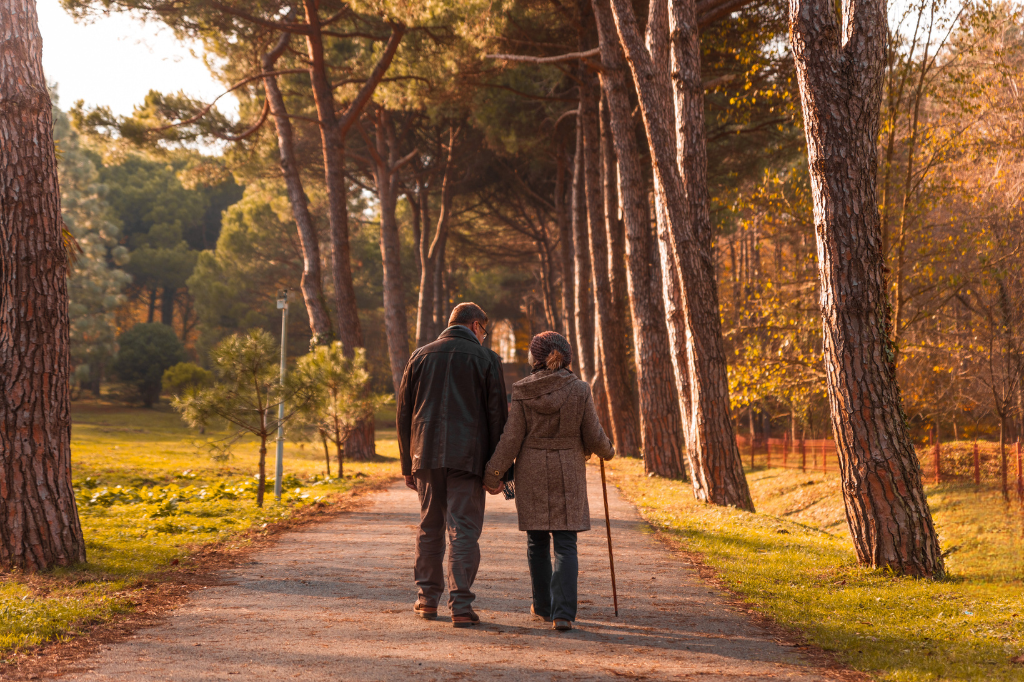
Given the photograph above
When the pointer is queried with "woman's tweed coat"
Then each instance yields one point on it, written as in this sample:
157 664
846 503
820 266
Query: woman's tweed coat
552 429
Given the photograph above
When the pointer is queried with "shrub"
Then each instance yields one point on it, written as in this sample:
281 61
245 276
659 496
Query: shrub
147 350
185 375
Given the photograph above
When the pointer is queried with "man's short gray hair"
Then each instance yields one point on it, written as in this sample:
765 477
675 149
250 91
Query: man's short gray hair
466 314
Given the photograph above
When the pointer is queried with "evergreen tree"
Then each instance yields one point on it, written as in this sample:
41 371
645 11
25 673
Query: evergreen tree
95 283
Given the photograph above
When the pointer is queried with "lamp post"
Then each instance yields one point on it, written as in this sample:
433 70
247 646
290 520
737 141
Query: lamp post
282 304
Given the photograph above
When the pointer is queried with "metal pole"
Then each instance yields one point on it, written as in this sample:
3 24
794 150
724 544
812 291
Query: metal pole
282 303
608 527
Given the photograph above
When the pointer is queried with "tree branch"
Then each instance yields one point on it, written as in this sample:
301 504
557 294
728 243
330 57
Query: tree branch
570 57
351 115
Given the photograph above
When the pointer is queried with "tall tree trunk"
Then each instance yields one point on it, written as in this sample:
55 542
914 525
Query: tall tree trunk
547 273
672 292
39 526
311 283
615 226
333 130
441 302
582 325
717 471
387 166
610 325
660 425
430 307
425 303
589 117
586 348
567 323
151 312
840 70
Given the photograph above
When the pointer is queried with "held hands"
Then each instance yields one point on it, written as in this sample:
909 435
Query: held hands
410 482
494 491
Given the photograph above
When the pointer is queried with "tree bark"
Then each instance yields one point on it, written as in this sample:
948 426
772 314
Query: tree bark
39 526
660 426
839 70
672 294
311 283
717 471
386 168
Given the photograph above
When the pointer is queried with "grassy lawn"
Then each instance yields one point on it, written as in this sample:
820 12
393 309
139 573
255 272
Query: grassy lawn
149 495
794 562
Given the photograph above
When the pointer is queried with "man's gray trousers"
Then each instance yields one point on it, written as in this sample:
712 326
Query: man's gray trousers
451 501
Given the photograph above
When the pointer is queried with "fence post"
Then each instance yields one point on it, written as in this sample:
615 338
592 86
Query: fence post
824 457
1002 458
977 464
785 455
1020 477
803 455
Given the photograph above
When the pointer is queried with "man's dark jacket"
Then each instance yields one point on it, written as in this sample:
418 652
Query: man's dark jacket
452 405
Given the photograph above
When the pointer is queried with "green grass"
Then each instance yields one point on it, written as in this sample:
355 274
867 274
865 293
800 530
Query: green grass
794 561
149 494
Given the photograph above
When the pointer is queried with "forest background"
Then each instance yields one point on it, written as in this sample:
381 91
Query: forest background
457 177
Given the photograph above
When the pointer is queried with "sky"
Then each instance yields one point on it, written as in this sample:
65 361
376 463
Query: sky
115 60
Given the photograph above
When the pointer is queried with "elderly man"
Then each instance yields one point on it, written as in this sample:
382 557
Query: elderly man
451 412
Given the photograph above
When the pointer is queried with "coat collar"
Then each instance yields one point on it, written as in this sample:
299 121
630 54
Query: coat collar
458 331
541 383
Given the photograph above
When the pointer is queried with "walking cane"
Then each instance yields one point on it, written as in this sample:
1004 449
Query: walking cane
608 527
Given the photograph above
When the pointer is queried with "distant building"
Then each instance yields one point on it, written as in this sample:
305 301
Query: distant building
503 342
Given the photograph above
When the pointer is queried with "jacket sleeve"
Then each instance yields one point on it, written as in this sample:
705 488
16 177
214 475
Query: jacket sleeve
403 419
508 447
497 403
594 439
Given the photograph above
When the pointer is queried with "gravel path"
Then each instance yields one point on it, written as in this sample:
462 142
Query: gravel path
334 602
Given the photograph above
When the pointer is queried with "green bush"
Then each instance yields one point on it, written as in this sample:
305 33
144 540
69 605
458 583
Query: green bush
147 351
186 375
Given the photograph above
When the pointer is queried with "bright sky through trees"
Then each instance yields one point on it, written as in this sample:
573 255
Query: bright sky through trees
115 60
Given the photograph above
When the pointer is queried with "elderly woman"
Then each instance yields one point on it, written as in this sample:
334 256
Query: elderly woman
552 430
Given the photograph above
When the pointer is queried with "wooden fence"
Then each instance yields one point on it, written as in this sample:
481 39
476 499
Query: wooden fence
955 461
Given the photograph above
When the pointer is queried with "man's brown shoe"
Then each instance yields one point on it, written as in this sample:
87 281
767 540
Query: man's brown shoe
465 620
562 624
424 611
537 615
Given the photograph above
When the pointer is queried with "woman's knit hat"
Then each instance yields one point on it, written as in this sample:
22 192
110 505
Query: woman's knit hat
550 350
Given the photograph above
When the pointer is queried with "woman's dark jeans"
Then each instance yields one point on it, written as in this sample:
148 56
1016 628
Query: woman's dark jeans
554 591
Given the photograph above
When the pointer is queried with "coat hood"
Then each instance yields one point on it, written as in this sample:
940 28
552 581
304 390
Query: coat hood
543 390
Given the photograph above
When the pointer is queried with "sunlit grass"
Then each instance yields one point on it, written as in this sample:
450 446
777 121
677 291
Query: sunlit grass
794 562
149 493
